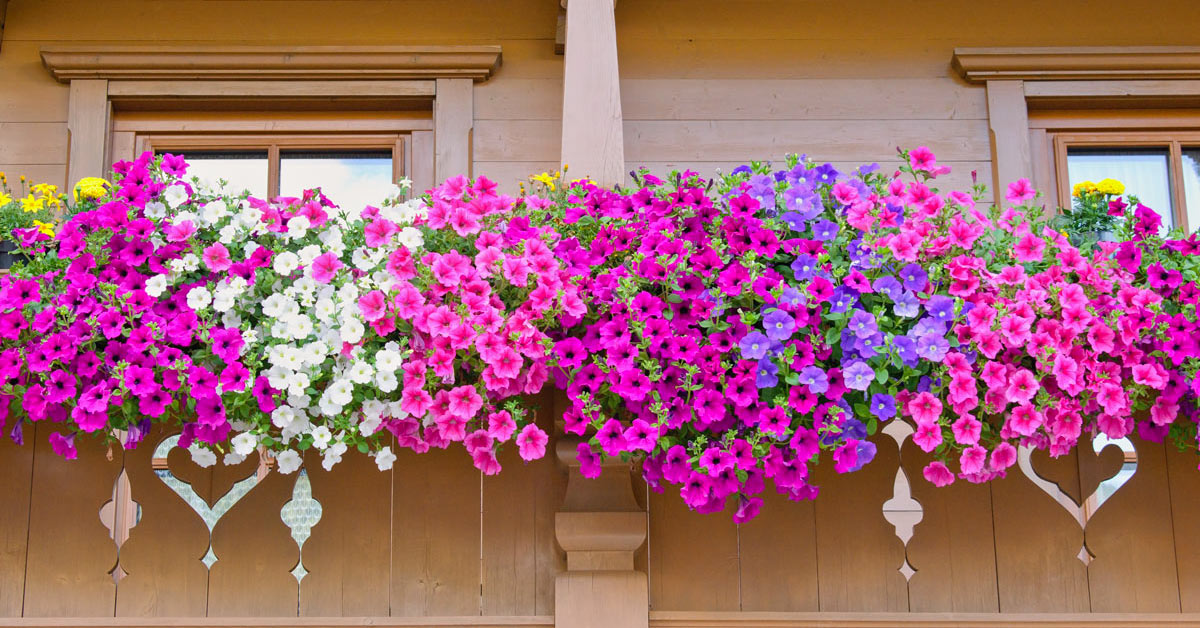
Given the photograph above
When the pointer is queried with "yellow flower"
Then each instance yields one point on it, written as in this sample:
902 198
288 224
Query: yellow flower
30 204
45 227
5 199
545 178
44 189
1111 187
1083 187
90 187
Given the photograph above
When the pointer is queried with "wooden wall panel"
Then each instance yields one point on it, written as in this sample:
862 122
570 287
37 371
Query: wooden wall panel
54 174
30 94
71 554
165 576
347 556
1037 543
693 558
1132 539
1184 481
39 143
952 546
16 473
435 534
858 553
778 556
255 552
520 555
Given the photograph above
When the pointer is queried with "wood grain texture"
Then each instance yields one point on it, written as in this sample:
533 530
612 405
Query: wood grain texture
951 548
89 116
435 534
165 576
29 94
693 558
71 553
1132 538
858 553
16 474
1037 542
347 556
453 120
1008 126
1184 482
591 116
520 556
35 143
778 556
255 552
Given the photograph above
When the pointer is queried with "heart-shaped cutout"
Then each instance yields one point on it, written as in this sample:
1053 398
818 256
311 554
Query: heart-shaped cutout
1104 489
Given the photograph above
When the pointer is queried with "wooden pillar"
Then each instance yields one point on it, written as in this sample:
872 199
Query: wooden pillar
593 142
599 526
453 120
1008 125
88 115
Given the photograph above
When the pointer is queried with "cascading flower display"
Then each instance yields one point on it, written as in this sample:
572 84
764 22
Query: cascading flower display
721 333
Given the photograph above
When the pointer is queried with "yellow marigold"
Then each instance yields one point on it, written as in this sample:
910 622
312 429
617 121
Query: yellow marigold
44 189
1111 187
32 204
90 187
45 227
1083 187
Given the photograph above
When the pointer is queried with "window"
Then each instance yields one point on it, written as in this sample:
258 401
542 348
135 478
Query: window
353 170
1161 168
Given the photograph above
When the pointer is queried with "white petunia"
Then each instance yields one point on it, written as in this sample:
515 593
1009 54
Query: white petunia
411 237
191 262
333 455
301 327
352 331
156 285
288 461
286 263
386 381
369 425
298 383
232 459
228 233
384 458
387 360
155 210
321 437
214 211
325 309
341 392
309 253
223 301
282 416
176 195
360 372
244 444
198 298
297 227
202 457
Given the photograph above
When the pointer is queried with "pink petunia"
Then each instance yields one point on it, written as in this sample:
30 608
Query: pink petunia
216 257
373 305
928 436
937 474
1020 191
325 267
972 459
380 232
925 409
180 232
1029 248
531 442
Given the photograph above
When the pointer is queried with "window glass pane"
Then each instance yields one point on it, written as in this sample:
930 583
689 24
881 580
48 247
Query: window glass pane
1191 186
352 180
1143 171
241 170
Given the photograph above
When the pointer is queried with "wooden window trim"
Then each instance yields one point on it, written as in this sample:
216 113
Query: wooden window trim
1172 141
1022 81
442 77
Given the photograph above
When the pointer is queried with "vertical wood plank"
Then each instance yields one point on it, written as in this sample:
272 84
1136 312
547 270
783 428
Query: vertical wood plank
952 546
1131 537
1042 164
71 553
520 556
693 557
778 550
346 558
1184 481
123 146
1037 543
453 120
422 162
435 534
255 554
592 135
165 576
16 477
1008 125
87 125
858 553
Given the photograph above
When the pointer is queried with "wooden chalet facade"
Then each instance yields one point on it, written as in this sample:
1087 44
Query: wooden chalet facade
509 88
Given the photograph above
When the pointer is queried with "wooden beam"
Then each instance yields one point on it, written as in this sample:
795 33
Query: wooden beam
88 117
191 62
131 90
1078 63
592 136
691 619
453 121
3 15
1008 125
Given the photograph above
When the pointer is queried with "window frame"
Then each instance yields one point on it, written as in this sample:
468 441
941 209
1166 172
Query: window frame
1172 141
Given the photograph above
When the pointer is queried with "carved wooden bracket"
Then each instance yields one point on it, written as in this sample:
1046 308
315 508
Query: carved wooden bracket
171 62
